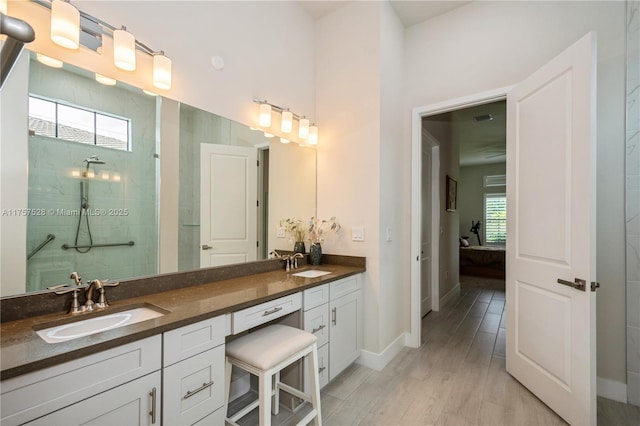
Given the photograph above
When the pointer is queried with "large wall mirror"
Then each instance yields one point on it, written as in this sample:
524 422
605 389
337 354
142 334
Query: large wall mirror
95 182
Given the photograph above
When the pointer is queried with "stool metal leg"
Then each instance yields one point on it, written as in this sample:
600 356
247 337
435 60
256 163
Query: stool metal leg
264 392
275 409
314 384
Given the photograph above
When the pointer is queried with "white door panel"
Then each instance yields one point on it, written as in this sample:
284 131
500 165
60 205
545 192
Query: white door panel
551 229
228 187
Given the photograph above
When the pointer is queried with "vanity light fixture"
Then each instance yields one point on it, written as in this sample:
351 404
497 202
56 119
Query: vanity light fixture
265 114
124 49
3 7
286 124
148 92
65 24
303 128
161 71
50 62
283 140
313 135
107 81
268 135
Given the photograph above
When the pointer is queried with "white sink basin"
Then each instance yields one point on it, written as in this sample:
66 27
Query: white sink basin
92 325
311 273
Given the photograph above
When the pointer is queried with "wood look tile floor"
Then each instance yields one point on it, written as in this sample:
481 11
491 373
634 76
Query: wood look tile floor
457 377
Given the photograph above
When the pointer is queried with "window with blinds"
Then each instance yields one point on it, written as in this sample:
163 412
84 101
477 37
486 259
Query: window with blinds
495 219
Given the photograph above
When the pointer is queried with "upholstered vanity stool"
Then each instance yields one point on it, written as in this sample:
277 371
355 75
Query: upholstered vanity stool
265 353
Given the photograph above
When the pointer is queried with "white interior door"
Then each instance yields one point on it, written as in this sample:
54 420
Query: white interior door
551 233
425 230
228 211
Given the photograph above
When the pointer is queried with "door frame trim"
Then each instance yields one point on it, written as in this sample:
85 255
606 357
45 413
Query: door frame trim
417 113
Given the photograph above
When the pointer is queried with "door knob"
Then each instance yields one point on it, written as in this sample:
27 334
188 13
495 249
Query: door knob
206 247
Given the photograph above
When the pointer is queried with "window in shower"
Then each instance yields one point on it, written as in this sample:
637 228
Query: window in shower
72 123
495 219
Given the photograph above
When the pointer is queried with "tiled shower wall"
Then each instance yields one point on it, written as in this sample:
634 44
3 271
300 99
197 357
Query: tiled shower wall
124 188
633 201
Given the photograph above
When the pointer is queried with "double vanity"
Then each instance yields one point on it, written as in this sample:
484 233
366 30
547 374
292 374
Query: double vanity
168 368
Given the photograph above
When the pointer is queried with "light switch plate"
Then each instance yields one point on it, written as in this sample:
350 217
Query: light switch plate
389 234
280 232
357 233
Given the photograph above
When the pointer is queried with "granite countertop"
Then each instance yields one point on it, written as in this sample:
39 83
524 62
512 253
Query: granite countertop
23 351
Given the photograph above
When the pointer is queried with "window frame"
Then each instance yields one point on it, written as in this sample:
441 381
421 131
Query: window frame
94 112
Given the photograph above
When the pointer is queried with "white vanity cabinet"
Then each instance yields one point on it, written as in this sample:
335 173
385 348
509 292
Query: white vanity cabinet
193 376
134 403
333 312
117 383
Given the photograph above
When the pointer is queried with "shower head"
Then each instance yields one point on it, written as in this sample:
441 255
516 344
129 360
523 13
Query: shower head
94 160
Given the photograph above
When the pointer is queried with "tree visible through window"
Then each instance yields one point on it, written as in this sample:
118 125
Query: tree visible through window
495 218
76 124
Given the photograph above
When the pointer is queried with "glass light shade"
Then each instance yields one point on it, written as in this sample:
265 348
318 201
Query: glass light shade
303 128
283 140
313 135
265 115
3 7
65 24
161 72
148 92
51 62
287 122
124 50
268 135
107 81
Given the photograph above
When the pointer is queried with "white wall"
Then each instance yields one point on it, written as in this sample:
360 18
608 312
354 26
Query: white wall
268 48
348 106
487 45
14 178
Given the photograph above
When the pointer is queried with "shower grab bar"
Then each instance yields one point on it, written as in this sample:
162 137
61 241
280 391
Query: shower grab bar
67 246
49 238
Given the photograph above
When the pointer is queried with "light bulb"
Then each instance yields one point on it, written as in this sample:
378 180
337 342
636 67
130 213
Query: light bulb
265 115
287 122
107 81
313 135
50 62
124 50
65 24
161 71
303 128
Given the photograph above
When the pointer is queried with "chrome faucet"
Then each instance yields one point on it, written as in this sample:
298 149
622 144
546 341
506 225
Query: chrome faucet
291 260
295 257
102 298
74 289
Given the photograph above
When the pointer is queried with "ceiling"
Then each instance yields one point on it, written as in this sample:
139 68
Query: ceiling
409 12
481 142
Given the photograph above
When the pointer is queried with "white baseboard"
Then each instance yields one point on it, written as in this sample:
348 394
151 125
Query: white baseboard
450 295
379 361
611 389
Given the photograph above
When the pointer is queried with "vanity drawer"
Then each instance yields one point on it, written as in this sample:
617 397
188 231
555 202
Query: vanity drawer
315 296
344 286
193 388
35 394
316 321
254 316
192 339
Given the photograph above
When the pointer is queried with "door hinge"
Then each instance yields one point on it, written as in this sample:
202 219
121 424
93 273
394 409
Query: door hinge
594 285
577 283
257 243
258 163
257 203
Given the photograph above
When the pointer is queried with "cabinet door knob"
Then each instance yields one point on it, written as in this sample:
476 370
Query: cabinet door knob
334 316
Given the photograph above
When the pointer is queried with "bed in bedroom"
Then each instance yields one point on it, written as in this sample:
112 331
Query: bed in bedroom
482 261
